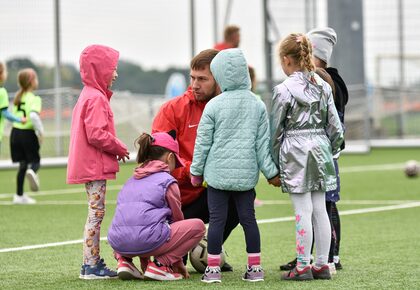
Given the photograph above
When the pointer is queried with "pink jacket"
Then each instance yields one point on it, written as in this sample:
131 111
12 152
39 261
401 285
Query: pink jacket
93 146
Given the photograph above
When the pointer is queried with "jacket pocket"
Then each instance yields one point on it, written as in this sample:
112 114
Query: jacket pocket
110 163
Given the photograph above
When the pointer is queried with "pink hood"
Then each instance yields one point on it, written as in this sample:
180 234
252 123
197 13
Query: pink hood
97 63
149 168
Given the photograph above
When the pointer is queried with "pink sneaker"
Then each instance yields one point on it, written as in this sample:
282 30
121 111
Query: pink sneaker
157 271
127 271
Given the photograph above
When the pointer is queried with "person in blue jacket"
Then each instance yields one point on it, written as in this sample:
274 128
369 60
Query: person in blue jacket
231 147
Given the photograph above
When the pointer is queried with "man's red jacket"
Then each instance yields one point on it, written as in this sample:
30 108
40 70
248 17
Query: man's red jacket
182 114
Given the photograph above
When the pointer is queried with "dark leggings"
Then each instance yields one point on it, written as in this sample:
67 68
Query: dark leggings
335 218
199 208
23 166
218 201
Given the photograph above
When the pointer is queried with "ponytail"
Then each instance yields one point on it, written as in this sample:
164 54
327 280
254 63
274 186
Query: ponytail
147 151
26 78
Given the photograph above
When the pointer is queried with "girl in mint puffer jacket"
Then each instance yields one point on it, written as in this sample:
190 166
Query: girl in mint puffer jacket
232 146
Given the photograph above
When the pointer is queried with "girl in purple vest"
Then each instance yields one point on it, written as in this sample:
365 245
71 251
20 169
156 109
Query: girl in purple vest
148 220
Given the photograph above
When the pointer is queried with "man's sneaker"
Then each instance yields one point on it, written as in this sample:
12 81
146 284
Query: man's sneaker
226 267
338 266
99 271
212 275
298 275
321 273
157 271
253 273
333 271
289 266
127 271
32 179
23 199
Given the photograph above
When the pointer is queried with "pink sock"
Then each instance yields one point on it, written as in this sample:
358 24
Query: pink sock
254 259
213 260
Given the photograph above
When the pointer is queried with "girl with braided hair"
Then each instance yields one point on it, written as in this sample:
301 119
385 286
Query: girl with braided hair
305 134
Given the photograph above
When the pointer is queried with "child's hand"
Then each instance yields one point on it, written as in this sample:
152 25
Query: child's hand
275 181
196 181
23 120
180 268
124 157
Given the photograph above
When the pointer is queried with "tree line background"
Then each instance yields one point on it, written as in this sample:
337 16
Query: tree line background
131 77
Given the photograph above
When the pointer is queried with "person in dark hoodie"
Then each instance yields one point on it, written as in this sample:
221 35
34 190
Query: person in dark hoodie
323 40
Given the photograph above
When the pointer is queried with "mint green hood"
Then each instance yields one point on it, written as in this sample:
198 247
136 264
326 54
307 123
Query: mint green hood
230 70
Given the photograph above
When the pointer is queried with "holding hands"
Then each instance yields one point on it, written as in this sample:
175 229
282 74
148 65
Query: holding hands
196 181
275 181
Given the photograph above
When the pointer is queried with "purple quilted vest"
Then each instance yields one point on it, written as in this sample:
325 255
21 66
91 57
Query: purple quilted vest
141 220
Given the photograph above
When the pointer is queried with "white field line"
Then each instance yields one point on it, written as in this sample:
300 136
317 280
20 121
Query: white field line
382 167
57 202
264 221
343 201
60 191
264 202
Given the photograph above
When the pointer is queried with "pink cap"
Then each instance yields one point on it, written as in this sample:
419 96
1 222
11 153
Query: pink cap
165 140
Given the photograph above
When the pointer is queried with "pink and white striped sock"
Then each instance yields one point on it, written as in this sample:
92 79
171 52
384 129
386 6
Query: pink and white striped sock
254 259
213 260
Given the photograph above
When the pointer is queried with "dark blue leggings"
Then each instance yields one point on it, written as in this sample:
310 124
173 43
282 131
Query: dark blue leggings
218 201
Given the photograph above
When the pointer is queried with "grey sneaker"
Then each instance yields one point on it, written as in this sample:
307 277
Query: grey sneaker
298 275
321 273
212 275
253 273
99 271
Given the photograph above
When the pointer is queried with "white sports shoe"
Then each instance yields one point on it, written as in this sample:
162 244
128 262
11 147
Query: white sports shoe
23 199
32 179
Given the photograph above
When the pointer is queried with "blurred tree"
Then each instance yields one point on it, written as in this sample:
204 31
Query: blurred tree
131 77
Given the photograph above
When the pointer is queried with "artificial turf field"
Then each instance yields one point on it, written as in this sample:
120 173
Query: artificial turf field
380 247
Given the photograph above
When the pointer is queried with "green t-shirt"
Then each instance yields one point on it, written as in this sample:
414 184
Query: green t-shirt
29 103
4 104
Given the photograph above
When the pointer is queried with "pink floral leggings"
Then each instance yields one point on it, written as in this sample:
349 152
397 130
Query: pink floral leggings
95 191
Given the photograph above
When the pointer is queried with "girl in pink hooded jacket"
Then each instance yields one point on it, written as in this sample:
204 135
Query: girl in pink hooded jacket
94 149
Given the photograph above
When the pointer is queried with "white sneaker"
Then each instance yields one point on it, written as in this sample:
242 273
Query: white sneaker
32 179
23 199
333 270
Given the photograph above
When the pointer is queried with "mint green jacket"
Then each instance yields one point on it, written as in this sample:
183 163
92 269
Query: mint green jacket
233 136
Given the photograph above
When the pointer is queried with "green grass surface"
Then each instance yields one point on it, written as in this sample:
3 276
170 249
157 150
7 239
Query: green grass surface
380 250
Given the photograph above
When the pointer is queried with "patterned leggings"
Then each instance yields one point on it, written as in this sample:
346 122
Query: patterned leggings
95 191
311 215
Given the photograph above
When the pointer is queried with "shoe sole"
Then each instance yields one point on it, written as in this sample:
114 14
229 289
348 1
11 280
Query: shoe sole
211 281
157 277
125 273
94 277
254 280
33 184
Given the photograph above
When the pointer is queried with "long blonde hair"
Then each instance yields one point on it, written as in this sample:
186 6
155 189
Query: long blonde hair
26 81
298 47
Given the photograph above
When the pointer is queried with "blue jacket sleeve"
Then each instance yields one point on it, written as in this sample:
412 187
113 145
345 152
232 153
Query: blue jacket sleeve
9 116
